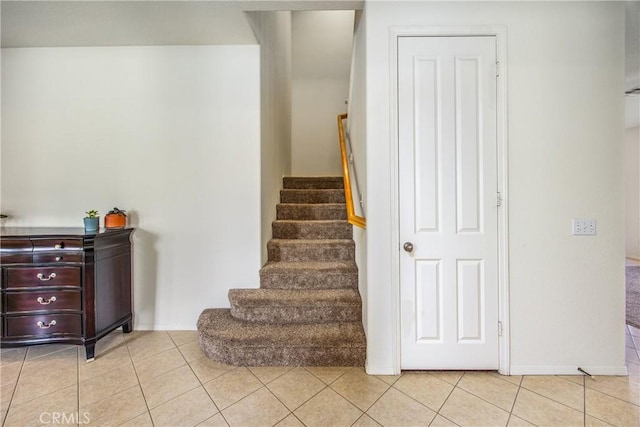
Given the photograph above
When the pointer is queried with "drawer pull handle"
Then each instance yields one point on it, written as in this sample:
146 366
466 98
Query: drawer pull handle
45 302
58 258
47 278
43 325
58 246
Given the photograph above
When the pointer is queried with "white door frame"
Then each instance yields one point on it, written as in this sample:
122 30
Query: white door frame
500 33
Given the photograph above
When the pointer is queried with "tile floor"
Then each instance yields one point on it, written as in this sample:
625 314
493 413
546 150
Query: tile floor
163 379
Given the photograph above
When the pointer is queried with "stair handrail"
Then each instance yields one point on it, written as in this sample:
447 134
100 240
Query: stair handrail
352 217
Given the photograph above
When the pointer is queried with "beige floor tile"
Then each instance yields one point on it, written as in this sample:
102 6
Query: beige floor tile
425 388
327 374
452 377
440 421
105 345
12 355
192 351
513 379
113 382
542 411
295 387
266 374
518 422
167 386
183 337
594 422
389 379
231 387
143 344
314 412
116 409
9 373
497 391
41 411
188 409
365 421
207 369
611 410
558 389
159 364
623 388
47 349
466 409
6 394
143 420
578 379
114 359
397 409
290 421
258 409
215 421
44 375
359 388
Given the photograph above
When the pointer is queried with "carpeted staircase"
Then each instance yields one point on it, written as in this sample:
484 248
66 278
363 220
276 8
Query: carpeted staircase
307 311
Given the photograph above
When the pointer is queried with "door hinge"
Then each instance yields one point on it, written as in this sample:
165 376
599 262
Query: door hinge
499 328
497 69
499 201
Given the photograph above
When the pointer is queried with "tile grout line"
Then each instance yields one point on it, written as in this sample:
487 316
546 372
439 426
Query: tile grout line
515 399
146 404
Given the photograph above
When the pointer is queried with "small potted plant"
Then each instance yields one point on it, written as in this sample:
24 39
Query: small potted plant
116 218
91 221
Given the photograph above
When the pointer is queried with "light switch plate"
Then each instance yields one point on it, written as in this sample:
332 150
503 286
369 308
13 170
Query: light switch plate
584 227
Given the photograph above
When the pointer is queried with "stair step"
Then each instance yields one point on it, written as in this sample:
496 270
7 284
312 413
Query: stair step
284 306
311 211
312 196
309 275
316 229
311 250
236 342
313 182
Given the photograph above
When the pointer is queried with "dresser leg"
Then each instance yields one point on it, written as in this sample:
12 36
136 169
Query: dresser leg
91 351
127 327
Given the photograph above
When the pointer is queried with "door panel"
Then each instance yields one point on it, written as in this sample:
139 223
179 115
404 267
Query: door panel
447 190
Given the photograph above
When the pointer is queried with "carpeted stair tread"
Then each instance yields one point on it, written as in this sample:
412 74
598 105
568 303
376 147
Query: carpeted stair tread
315 229
296 306
232 341
311 211
312 182
312 196
311 250
309 275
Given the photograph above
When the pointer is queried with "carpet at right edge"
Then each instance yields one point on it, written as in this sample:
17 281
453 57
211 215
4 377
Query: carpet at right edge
633 295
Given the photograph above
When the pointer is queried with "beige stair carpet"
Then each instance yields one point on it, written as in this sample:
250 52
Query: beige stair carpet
307 311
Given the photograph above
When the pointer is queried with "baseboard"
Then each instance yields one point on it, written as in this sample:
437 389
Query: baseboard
162 327
568 370
379 370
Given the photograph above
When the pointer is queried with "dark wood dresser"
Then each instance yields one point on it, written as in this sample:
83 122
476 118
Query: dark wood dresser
62 285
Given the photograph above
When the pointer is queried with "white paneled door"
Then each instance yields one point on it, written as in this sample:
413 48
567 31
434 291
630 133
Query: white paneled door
448 202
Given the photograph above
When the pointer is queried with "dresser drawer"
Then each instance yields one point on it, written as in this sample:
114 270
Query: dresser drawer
56 244
45 300
14 251
42 276
49 257
42 325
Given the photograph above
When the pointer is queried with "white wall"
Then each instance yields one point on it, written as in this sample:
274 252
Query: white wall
565 64
632 191
170 134
356 129
273 30
321 49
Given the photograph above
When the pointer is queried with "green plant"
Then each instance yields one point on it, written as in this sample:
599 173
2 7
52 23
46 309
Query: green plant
116 211
92 213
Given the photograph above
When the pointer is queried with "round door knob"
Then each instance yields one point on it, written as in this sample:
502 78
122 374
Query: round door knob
408 247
